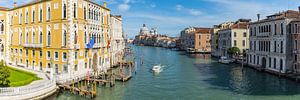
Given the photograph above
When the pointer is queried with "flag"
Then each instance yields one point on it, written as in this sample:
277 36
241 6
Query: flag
91 43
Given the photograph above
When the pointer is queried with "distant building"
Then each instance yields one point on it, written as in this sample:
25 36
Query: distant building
153 38
294 29
236 35
195 39
117 41
215 37
270 42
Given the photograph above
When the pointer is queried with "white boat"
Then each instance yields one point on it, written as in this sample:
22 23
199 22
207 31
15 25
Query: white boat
156 69
225 60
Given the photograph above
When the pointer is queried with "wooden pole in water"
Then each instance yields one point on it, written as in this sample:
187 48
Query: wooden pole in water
73 85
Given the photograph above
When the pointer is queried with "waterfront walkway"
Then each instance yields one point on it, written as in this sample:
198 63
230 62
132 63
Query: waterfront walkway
36 90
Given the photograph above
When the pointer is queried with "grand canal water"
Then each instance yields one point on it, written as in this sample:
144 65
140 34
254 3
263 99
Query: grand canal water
194 77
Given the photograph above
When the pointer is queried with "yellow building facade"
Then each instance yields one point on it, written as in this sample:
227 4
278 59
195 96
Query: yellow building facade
3 19
51 34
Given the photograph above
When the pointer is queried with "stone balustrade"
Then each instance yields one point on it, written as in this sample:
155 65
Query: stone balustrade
33 45
15 91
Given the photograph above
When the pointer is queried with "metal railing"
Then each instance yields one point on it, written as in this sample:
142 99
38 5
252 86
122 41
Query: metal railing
13 91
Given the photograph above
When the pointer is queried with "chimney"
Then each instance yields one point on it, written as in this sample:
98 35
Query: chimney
104 4
15 4
258 17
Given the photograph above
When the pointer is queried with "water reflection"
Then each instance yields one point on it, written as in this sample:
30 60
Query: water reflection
247 81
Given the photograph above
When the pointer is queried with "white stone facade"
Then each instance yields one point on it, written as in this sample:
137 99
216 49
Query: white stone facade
269 45
117 43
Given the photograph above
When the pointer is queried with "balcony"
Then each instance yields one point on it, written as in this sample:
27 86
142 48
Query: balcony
33 45
265 34
97 45
76 46
295 51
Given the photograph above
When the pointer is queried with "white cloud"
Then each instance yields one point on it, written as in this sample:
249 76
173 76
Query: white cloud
179 7
124 7
193 12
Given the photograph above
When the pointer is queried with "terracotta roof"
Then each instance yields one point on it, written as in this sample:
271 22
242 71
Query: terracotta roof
240 25
280 16
202 30
3 8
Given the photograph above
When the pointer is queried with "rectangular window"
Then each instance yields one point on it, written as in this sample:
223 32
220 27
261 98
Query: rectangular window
33 53
66 68
41 53
40 13
275 29
76 67
86 53
281 28
234 34
33 15
275 46
295 45
26 52
21 52
48 12
245 34
26 16
85 65
56 55
56 68
64 56
76 55
48 55
234 43
244 43
295 57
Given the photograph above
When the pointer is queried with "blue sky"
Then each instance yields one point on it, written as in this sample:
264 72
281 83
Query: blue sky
172 16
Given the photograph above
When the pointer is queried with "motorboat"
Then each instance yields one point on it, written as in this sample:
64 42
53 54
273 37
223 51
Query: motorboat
156 69
225 60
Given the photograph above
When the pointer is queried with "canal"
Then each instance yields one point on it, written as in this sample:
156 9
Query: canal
194 77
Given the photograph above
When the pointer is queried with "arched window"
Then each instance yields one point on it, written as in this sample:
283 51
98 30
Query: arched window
41 14
49 38
33 37
64 38
75 38
281 64
26 39
2 48
20 20
75 10
26 17
2 27
20 38
64 10
48 13
274 63
33 15
85 37
84 12
41 37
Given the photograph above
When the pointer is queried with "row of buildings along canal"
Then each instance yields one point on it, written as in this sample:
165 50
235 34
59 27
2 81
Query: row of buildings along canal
271 44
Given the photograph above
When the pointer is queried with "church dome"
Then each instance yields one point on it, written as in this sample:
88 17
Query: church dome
144 30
